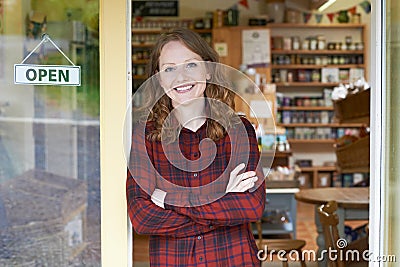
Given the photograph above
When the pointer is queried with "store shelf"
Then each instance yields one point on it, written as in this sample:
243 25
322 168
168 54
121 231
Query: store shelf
331 125
318 168
142 45
139 77
141 61
304 108
306 84
310 66
312 141
321 26
160 30
317 52
314 174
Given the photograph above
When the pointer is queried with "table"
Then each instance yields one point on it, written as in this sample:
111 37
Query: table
353 204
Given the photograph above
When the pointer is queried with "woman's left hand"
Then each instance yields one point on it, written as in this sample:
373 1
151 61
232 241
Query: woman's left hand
241 182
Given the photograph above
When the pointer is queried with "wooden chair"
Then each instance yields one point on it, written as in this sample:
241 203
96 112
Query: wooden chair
273 246
329 221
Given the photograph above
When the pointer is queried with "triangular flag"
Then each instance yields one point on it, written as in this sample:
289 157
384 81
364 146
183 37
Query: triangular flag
366 5
331 16
244 3
306 17
318 18
352 10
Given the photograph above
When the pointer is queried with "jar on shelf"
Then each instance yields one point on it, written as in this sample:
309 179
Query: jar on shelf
287 43
313 43
315 76
321 42
331 46
348 39
305 44
356 18
296 43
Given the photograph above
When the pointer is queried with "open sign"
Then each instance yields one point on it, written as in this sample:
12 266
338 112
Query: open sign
47 74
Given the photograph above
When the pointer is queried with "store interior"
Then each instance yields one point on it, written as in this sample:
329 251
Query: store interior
312 69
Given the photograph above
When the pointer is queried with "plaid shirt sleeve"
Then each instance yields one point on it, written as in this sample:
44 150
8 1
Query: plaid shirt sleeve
234 208
146 217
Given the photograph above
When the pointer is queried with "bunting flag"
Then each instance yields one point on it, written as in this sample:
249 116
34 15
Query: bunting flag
352 10
365 5
306 17
244 3
318 18
331 16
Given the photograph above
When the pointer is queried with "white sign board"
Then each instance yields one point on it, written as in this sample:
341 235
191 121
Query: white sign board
47 74
256 48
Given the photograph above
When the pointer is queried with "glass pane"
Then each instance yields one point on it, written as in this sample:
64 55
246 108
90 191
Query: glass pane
392 233
49 136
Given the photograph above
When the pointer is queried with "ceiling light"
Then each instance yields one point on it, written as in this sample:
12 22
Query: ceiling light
326 5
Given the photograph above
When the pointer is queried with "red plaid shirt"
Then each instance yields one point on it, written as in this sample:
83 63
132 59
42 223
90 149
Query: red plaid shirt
200 225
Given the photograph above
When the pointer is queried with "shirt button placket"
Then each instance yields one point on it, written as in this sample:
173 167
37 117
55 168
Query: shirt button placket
200 257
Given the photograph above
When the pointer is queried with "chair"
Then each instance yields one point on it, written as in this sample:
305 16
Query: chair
273 246
329 221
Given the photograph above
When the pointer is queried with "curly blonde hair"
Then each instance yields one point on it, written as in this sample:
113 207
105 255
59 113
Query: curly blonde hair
158 105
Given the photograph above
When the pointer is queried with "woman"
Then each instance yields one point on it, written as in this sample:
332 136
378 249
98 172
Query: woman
188 193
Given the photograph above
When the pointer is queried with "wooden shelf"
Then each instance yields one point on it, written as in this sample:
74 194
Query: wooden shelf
301 25
316 171
277 154
140 61
310 66
160 30
304 108
142 45
317 52
312 141
319 168
139 77
306 84
331 125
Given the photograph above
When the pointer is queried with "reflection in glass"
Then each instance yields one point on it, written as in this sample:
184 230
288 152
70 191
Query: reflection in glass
49 138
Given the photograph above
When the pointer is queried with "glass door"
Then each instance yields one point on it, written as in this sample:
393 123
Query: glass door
49 135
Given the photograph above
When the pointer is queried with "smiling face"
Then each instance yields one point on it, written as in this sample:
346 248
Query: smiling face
182 73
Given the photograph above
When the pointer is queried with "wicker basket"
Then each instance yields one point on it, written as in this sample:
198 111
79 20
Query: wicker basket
354 108
354 157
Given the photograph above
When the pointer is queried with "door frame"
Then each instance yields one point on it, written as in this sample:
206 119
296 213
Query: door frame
115 92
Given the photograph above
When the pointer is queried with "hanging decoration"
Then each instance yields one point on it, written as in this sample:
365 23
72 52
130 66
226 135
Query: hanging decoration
306 17
244 3
318 18
352 10
365 5
331 16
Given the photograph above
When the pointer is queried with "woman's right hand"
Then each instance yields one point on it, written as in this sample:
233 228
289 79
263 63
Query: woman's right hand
241 182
